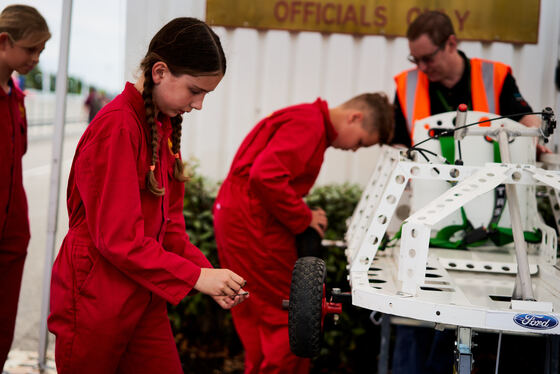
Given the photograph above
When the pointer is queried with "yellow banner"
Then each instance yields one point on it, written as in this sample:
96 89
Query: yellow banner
515 21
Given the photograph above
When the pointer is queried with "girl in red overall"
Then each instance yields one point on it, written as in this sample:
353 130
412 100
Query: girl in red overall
23 34
260 209
127 252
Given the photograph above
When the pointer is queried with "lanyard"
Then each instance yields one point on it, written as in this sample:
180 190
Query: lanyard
444 102
446 105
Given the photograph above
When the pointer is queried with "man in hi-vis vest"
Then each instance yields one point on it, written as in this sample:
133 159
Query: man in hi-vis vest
443 79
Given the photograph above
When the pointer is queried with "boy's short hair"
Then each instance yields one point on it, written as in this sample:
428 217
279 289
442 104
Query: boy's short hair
378 114
436 25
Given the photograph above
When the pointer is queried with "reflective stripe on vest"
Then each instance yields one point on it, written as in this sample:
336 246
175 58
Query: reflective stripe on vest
487 79
412 82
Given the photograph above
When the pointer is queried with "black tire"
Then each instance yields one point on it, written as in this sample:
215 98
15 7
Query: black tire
305 309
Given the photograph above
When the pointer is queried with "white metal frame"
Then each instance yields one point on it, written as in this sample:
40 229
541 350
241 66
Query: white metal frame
465 288
58 139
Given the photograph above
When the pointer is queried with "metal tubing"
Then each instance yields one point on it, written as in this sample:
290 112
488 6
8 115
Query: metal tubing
463 352
498 352
516 226
58 135
528 132
383 363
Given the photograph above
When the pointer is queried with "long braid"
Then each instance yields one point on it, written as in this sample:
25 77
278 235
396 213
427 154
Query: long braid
186 46
151 181
178 172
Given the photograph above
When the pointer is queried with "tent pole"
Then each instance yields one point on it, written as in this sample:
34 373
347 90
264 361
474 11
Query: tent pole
54 187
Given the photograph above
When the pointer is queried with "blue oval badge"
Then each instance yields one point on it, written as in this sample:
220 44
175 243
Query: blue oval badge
536 321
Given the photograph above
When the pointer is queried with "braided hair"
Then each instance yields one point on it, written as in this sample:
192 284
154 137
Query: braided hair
187 46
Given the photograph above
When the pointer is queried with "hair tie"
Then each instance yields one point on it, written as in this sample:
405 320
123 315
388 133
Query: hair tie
176 155
152 167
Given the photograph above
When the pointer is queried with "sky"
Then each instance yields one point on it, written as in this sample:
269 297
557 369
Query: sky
96 54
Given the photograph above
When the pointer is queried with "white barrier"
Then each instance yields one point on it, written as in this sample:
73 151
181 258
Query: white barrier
40 107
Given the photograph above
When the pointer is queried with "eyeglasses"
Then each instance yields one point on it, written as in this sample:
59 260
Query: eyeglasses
426 59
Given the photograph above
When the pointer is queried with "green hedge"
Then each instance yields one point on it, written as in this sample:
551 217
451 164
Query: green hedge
348 346
204 333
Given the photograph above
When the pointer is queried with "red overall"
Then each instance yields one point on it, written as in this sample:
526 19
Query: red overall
126 252
14 222
257 213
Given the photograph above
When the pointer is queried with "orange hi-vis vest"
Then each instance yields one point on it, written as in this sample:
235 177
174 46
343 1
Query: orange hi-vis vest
487 80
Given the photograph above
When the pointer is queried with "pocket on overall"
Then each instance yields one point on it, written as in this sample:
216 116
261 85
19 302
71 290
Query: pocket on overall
84 260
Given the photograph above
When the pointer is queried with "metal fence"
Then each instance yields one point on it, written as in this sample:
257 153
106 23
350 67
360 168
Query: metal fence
40 107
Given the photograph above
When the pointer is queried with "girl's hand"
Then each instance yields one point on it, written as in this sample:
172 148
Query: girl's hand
219 282
228 302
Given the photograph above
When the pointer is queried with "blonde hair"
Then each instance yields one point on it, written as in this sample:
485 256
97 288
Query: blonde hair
22 22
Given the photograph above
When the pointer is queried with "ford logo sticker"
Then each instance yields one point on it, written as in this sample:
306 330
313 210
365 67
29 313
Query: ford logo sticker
536 321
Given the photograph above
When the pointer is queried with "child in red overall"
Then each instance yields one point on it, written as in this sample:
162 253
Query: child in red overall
260 209
127 252
23 34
